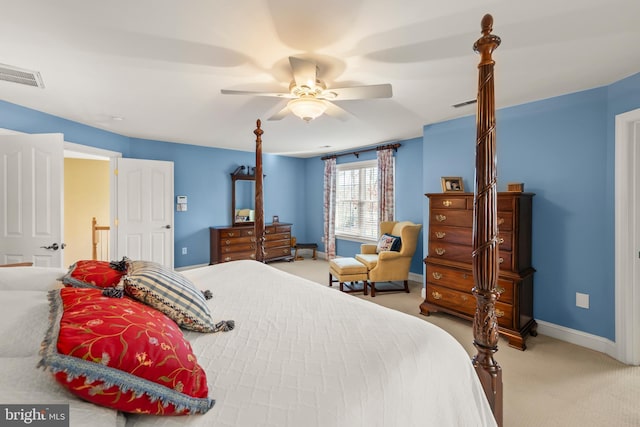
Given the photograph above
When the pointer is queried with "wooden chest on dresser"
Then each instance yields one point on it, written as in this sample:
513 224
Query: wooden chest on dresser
449 275
239 242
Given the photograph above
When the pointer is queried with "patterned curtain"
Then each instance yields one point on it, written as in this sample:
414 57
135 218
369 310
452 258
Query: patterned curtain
385 185
330 207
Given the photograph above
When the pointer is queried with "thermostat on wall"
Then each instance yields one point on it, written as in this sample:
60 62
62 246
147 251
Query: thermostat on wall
181 203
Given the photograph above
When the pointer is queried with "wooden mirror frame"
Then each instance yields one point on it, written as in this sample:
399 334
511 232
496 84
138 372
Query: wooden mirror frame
240 174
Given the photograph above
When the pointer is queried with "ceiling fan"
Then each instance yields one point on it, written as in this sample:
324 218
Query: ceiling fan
310 97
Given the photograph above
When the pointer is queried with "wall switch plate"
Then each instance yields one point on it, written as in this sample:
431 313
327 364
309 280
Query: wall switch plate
582 300
184 251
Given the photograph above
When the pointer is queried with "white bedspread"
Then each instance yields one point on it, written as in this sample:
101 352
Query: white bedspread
305 355
301 355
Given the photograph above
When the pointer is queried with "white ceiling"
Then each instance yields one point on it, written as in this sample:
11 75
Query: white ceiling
160 64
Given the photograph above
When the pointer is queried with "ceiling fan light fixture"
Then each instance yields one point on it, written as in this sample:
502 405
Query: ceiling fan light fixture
307 108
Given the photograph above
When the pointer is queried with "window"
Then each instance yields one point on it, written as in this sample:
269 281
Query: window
357 200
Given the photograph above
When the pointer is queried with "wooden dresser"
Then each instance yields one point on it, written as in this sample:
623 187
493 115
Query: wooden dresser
449 276
239 242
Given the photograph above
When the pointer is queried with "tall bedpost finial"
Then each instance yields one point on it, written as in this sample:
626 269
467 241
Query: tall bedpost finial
258 132
259 202
485 226
486 44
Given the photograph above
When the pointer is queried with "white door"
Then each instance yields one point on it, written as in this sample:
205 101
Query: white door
627 239
144 210
31 195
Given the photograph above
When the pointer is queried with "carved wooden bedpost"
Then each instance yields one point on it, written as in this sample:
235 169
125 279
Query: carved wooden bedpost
259 213
485 226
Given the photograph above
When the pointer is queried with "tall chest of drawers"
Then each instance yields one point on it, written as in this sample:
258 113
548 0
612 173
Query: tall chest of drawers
239 242
449 275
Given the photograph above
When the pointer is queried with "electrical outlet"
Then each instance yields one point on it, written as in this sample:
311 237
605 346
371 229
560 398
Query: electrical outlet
184 251
582 300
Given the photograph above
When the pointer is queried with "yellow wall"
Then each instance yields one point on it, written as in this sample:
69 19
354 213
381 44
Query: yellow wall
86 194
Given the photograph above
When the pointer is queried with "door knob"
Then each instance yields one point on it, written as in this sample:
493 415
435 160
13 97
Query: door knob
54 247
167 226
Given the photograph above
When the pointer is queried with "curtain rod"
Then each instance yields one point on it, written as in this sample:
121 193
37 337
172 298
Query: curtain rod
357 153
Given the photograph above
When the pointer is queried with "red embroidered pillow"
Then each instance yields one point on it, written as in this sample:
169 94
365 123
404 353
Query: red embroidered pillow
92 274
120 353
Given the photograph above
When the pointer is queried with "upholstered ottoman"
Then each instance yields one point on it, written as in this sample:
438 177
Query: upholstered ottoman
348 270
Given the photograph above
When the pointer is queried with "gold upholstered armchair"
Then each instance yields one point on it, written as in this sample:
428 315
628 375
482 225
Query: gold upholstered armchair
386 263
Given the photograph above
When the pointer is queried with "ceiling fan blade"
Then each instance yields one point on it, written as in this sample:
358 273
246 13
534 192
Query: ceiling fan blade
358 92
304 72
280 114
255 93
336 112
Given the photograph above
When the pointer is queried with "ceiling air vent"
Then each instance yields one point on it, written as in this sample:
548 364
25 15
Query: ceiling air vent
465 103
9 73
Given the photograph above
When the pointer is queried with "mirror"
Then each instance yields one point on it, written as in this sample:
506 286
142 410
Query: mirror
243 196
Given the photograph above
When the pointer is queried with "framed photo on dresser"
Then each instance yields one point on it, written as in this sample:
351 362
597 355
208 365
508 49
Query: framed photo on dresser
452 183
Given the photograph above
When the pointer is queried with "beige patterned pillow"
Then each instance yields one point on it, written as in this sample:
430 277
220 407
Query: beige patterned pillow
169 292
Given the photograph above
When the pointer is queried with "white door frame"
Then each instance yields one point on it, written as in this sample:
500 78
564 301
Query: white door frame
627 244
88 152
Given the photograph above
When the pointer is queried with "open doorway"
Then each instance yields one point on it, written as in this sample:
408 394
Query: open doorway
86 196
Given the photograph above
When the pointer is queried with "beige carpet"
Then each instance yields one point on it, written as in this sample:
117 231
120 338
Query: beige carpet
552 383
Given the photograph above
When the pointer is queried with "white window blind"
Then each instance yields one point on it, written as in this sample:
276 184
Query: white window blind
357 200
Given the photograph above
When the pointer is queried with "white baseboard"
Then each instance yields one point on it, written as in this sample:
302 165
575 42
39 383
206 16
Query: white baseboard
576 337
190 267
415 277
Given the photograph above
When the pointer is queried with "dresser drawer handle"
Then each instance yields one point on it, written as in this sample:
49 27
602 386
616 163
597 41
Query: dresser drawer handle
440 234
464 275
227 242
447 203
441 218
436 275
500 221
250 233
440 251
252 256
267 231
436 295
253 239
500 260
228 258
230 234
500 290
464 298
501 240
499 313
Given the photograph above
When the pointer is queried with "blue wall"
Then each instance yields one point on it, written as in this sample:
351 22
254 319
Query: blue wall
563 150
201 173
27 120
409 196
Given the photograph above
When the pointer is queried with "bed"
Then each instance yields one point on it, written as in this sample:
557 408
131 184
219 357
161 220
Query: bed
297 354
300 354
